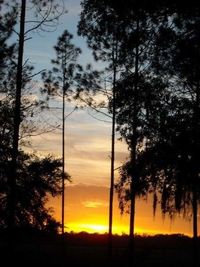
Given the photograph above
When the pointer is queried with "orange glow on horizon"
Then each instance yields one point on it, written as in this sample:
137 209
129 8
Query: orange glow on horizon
86 210
103 229
89 228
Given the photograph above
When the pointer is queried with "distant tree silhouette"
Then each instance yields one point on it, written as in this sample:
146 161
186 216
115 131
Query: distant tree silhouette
60 81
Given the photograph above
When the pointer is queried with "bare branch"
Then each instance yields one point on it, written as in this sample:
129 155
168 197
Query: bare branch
70 113
94 108
35 74
98 118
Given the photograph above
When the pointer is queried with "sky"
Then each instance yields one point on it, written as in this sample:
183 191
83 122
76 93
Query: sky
88 146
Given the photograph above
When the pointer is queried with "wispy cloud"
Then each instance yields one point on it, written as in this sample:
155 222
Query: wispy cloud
88 147
94 204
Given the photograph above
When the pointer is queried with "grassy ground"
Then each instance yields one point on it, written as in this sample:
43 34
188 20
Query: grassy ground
91 250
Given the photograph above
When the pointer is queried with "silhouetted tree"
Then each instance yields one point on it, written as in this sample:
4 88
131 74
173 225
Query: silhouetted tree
149 95
7 22
137 91
37 179
182 67
60 81
99 24
46 14
169 155
131 29
179 62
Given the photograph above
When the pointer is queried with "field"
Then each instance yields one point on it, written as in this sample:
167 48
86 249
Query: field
91 250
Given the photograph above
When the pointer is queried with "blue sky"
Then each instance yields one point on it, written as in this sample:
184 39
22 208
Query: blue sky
40 48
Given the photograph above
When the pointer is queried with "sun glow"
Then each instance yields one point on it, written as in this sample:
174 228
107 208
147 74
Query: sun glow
94 228
101 229
89 228
87 211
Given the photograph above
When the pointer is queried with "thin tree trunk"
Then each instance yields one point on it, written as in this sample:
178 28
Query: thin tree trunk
63 140
112 160
63 162
132 226
133 155
132 213
63 156
63 175
132 206
195 227
196 125
17 121
195 213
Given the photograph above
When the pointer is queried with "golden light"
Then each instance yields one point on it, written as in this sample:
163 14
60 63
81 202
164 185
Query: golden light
94 228
89 228
101 229
87 211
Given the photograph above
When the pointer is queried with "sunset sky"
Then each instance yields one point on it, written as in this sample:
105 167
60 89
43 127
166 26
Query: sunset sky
88 145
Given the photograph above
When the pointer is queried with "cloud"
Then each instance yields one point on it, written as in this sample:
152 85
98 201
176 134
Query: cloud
94 204
87 150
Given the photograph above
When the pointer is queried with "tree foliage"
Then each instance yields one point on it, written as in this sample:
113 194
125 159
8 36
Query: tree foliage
38 178
157 94
179 62
169 154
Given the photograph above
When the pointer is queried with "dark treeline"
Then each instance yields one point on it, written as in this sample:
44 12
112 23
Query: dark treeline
151 52
85 249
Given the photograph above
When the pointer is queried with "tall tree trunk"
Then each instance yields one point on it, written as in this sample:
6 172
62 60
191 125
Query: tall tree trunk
64 63
132 206
134 153
17 121
195 227
63 162
196 125
195 215
63 174
132 213
132 226
112 155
